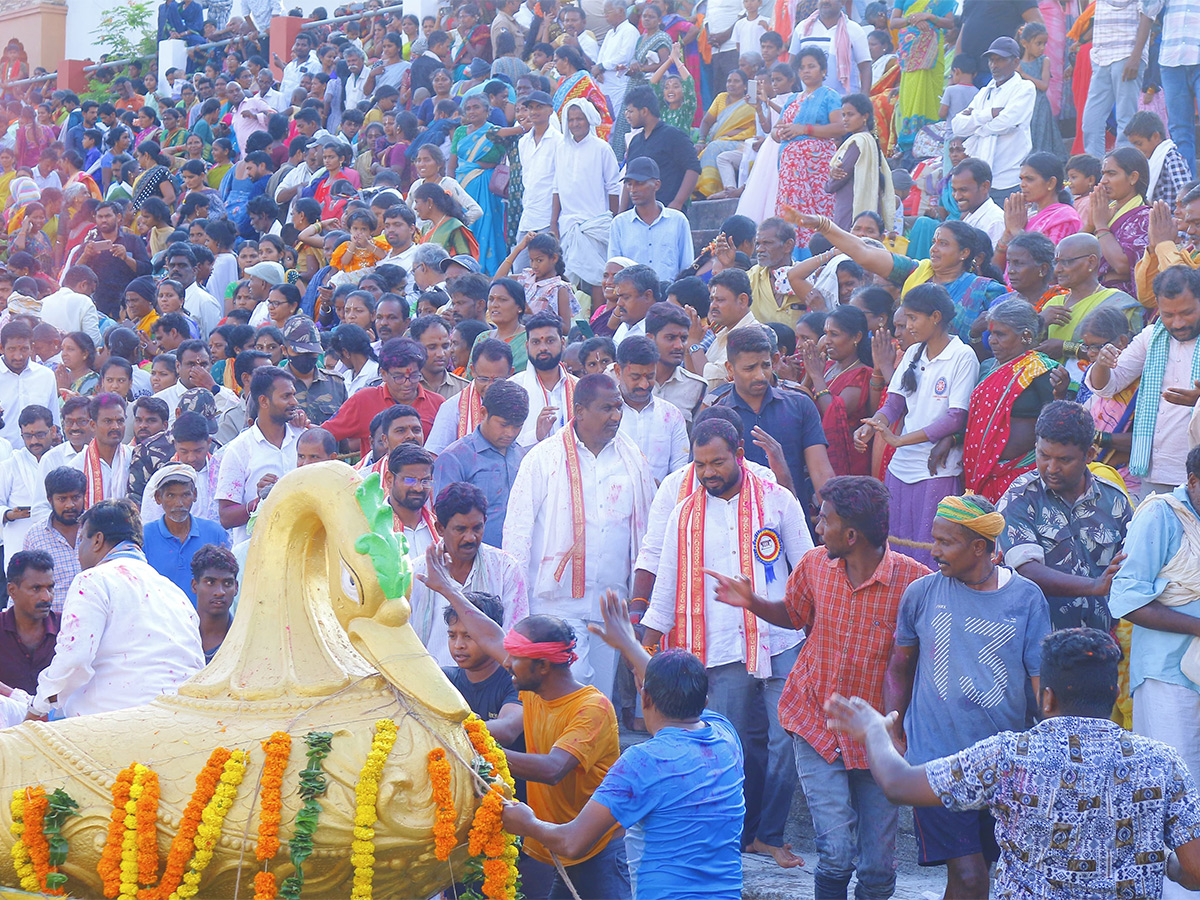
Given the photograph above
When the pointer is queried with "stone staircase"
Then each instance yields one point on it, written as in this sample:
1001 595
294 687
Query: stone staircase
706 217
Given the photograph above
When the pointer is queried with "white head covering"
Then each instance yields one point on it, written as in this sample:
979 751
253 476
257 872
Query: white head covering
589 112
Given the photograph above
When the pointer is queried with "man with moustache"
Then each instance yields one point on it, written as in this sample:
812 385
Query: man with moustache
474 565
171 541
577 513
408 483
22 497
105 461
77 429
59 535
116 256
192 445
398 425
652 423
551 388
668 326
491 362
22 381
29 627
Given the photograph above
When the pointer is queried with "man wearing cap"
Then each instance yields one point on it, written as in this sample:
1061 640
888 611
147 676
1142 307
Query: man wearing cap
537 148
670 147
457 266
967 648
171 541
1119 57
320 392
263 276
995 127
650 233
233 421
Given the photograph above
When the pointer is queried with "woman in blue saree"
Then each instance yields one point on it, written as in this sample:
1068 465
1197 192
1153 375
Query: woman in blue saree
472 159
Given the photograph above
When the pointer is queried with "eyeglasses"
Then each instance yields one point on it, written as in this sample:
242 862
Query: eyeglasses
412 378
36 435
416 482
1065 260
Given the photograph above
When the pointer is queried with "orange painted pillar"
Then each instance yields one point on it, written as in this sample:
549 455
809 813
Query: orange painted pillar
283 34
71 76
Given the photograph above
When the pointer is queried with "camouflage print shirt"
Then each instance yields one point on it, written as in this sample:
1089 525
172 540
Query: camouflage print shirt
147 458
323 398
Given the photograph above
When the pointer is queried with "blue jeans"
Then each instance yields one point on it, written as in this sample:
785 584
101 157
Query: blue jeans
1106 91
851 816
603 877
752 706
1181 87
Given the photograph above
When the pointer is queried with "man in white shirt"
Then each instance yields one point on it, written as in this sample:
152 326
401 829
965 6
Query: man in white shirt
70 308
104 462
653 424
637 290
198 303
400 229
258 457
303 61
287 192
616 53
23 500
77 429
128 635
551 388
748 529
461 514
729 310
265 81
45 173
669 326
996 124
356 83
408 484
22 382
1119 56
577 512
719 21
194 368
823 29
971 185
537 148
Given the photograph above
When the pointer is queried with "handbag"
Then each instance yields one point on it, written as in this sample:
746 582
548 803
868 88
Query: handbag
930 139
498 182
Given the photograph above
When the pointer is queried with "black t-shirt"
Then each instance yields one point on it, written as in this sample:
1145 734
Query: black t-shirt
673 151
487 697
985 20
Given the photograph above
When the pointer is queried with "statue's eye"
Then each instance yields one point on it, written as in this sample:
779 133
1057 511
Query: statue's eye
350 583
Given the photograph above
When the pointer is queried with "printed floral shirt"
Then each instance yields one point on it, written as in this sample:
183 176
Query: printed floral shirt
1082 807
1079 538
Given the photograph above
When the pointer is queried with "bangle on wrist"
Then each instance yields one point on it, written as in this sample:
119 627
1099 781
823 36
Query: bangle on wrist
823 393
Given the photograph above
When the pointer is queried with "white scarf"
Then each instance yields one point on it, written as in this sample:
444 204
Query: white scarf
1157 158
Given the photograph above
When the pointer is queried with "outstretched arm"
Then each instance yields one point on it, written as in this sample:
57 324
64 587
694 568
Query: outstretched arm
902 783
486 633
874 259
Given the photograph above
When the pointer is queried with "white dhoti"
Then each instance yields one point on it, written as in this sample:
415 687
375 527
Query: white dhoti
585 248
762 185
1170 713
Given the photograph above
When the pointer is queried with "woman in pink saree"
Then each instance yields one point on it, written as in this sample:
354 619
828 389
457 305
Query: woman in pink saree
1039 206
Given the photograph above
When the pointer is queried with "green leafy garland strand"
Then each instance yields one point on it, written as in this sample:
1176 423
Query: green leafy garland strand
312 785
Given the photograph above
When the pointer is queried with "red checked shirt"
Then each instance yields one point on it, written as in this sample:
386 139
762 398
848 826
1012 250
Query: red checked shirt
850 633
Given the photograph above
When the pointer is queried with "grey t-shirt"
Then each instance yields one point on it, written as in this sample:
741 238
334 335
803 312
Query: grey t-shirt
978 650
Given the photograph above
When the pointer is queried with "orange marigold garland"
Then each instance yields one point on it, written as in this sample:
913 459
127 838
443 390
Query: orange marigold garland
278 748
146 817
487 837
485 745
183 845
131 854
211 822
444 837
109 866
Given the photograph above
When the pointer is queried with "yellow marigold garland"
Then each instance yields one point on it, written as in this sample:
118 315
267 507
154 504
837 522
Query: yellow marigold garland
211 821
20 852
366 796
278 748
444 837
131 856
109 866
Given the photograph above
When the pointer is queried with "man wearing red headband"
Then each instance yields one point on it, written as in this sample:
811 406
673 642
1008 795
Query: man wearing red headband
570 739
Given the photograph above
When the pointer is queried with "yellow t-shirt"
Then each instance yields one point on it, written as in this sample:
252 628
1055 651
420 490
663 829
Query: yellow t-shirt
585 725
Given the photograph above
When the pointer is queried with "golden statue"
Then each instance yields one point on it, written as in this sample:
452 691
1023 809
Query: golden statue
315 646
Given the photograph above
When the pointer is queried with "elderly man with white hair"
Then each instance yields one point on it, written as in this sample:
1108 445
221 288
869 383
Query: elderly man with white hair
587 190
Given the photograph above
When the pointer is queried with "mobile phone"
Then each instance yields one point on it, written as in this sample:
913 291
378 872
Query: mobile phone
752 91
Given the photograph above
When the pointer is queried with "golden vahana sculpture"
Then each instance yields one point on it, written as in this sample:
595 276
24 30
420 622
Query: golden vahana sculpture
314 646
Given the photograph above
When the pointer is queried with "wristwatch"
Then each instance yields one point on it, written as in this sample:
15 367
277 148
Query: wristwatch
694 348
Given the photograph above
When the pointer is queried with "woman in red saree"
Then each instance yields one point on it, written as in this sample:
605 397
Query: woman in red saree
999 443
1080 36
842 388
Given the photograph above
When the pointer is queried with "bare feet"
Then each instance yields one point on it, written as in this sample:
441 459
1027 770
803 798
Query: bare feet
783 855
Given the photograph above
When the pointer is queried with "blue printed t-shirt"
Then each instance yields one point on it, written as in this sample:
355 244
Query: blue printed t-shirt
685 789
977 651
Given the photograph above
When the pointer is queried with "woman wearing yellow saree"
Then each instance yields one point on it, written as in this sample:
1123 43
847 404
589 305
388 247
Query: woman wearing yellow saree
922 56
728 122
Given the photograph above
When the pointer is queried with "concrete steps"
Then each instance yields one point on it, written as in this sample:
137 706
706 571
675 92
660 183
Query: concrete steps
706 217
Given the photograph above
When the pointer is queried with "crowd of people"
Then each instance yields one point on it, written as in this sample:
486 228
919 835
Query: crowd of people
917 392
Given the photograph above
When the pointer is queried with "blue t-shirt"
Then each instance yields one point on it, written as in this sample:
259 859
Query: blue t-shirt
173 559
977 652
685 789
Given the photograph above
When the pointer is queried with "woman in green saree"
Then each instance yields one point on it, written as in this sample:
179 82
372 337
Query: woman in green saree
921 52
446 227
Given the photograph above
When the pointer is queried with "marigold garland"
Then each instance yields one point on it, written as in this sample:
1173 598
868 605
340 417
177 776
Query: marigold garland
211 821
146 826
487 836
20 852
109 866
485 745
278 748
131 855
366 796
183 844
444 837
312 785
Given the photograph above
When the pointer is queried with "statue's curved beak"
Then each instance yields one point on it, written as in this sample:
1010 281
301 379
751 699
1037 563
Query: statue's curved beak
390 644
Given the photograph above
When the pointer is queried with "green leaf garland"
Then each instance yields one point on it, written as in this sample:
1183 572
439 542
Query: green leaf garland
312 786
